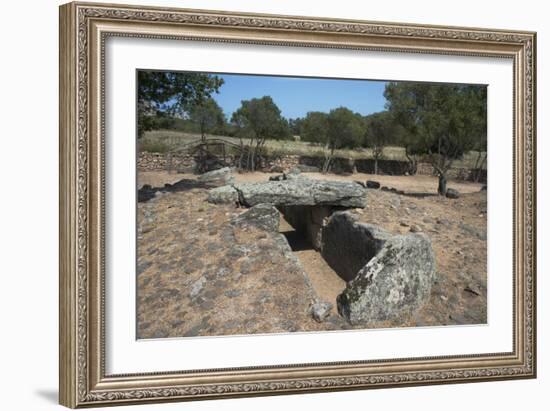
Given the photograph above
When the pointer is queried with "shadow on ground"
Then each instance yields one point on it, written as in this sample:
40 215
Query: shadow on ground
147 192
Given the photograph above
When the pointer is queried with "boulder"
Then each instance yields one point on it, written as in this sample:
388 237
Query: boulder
388 276
263 216
373 184
393 284
221 176
302 191
223 195
452 193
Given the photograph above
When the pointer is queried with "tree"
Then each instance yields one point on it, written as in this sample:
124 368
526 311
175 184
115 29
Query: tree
295 125
257 120
444 121
314 127
208 116
382 130
171 92
344 129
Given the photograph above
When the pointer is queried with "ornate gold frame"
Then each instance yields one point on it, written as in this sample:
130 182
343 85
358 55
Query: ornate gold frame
83 30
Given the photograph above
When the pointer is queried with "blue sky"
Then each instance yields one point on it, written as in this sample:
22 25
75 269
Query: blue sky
296 96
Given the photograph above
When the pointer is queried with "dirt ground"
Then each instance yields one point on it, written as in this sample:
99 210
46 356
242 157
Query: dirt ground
181 239
409 184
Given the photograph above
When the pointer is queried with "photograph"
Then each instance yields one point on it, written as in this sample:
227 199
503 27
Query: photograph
280 204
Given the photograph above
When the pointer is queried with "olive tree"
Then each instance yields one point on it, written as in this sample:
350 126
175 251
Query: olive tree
444 121
345 129
257 120
381 130
208 116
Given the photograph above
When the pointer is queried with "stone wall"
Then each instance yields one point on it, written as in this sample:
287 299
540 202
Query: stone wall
388 167
165 162
278 164
459 173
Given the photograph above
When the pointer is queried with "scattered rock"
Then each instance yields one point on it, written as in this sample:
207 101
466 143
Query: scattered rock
279 177
220 177
264 216
415 229
473 231
373 184
223 195
197 286
395 202
320 311
452 193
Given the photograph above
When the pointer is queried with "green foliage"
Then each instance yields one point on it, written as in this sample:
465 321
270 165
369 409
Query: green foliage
208 117
346 129
382 130
260 119
446 120
442 121
295 125
171 93
314 127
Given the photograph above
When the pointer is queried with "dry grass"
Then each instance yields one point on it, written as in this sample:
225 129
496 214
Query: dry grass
172 140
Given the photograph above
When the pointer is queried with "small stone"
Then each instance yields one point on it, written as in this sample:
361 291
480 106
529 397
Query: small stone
415 229
373 184
197 286
320 311
452 193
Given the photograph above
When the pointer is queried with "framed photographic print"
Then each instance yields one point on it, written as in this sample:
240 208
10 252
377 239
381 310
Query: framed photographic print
259 204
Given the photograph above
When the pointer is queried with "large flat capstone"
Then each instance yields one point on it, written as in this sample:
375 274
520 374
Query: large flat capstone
394 273
300 192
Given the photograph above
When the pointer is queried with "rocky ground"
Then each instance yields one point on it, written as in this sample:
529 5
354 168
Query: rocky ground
457 229
200 274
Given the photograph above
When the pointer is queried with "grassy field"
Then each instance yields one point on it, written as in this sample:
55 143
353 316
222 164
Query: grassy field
168 140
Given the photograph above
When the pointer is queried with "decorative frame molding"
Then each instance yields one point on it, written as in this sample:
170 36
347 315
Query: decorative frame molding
83 30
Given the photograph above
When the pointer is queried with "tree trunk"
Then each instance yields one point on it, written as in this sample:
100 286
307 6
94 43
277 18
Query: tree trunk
479 169
376 165
442 186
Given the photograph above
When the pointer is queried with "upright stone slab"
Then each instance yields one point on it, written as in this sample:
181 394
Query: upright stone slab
389 276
